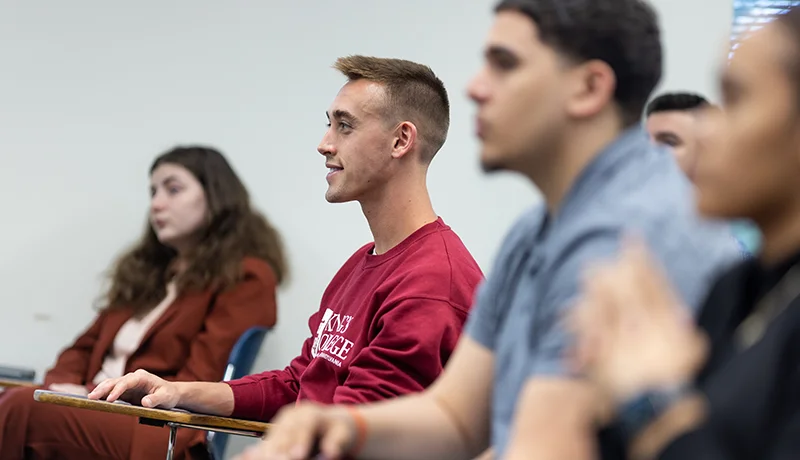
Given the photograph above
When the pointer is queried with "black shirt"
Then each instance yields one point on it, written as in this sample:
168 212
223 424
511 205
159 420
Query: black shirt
753 391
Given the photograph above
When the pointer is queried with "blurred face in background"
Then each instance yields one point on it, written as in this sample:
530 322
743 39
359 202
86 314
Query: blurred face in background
178 206
521 94
676 130
750 163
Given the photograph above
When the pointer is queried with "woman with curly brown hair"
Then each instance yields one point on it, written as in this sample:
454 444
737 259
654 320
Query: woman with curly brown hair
205 271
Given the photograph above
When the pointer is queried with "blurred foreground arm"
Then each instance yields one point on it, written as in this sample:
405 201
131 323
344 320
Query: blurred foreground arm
450 420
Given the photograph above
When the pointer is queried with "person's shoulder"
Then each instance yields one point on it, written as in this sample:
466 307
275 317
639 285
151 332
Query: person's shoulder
523 231
439 255
442 245
530 221
258 269
660 205
677 233
692 249
437 267
673 226
654 201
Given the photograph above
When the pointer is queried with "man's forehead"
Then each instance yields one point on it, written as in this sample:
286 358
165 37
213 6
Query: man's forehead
359 97
514 31
673 116
671 120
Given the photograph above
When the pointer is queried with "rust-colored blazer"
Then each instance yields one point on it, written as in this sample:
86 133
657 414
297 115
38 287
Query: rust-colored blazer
191 341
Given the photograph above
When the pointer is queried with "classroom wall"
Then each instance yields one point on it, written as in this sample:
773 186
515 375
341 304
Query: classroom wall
695 36
92 90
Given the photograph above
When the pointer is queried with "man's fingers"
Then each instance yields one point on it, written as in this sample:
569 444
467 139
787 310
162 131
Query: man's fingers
299 442
118 389
160 397
293 434
134 384
102 390
337 440
581 326
651 280
591 321
305 431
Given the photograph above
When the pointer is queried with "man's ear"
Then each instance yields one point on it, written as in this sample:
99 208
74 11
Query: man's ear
594 83
405 137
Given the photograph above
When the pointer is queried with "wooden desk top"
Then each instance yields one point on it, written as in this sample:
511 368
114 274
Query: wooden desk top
10 383
163 415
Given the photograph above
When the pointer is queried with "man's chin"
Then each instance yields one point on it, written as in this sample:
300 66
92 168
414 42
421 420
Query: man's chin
714 209
491 165
335 198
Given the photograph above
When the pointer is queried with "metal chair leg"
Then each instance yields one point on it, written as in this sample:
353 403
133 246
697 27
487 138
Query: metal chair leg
173 432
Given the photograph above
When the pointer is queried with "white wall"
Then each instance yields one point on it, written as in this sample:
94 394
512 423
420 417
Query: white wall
695 36
92 90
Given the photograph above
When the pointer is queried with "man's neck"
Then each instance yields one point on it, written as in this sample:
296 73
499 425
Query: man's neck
569 159
781 236
400 210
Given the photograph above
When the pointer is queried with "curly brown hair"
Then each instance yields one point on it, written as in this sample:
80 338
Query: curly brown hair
139 278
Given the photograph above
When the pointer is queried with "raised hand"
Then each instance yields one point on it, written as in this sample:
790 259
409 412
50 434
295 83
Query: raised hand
632 332
305 430
140 387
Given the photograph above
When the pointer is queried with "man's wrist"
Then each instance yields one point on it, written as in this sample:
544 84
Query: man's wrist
359 424
186 395
180 392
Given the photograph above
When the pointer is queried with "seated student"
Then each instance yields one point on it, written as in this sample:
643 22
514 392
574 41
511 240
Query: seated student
673 120
204 272
734 381
560 98
391 316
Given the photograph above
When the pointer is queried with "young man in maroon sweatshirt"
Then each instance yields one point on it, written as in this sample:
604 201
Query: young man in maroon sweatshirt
392 315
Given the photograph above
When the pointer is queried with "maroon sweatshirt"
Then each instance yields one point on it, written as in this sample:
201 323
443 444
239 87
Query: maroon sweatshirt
386 326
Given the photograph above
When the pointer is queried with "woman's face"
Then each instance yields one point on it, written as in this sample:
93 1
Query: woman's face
749 161
178 206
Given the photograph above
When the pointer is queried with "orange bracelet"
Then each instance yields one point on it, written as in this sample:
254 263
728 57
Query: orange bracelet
361 430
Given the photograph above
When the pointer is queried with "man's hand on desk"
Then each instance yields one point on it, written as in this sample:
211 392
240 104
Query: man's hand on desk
140 387
298 431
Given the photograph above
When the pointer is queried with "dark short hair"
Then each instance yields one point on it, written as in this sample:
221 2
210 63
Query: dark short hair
622 33
668 102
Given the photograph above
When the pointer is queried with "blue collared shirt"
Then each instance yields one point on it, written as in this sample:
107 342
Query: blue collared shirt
520 308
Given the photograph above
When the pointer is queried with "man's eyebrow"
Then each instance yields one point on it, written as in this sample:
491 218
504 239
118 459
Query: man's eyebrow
340 113
499 52
667 136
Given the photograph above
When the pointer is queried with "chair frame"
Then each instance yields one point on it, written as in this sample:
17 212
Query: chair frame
240 363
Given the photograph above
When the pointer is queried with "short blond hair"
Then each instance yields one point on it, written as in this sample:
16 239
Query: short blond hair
414 93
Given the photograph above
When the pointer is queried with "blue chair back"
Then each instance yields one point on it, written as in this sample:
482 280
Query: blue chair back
240 363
